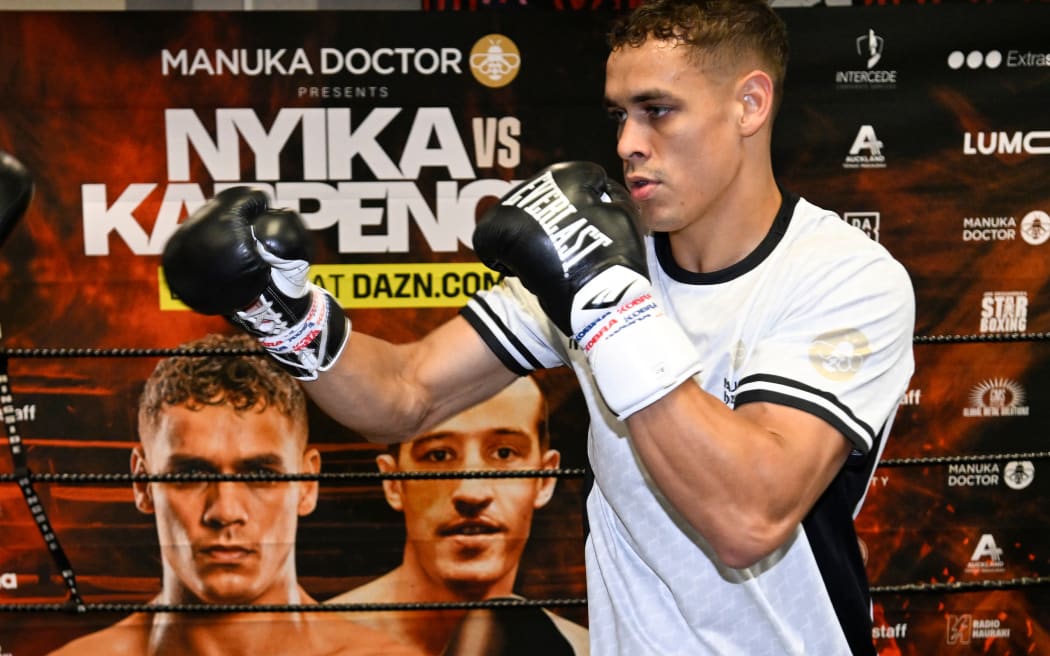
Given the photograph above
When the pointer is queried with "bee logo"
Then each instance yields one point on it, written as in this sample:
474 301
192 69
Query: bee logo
1018 474
495 60
1035 227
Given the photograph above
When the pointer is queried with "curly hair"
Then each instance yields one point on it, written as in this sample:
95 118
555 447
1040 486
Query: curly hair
243 381
719 31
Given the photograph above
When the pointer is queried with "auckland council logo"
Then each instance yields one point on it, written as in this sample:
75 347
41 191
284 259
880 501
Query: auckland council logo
866 151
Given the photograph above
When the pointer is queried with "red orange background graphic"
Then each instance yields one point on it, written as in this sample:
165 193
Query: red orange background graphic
945 165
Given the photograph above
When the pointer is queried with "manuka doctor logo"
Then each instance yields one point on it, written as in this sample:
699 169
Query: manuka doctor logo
495 60
1035 227
869 47
271 62
1018 474
973 474
989 228
866 151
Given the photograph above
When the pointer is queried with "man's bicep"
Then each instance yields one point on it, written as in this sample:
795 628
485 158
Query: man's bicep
389 392
815 451
458 369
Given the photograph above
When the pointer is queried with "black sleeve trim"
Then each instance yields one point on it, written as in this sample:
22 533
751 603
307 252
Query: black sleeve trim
494 343
831 410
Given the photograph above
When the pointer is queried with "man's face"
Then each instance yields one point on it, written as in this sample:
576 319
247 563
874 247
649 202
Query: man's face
468 534
678 132
226 542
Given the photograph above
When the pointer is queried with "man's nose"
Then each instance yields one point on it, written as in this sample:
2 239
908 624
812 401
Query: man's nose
631 140
225 504
472 496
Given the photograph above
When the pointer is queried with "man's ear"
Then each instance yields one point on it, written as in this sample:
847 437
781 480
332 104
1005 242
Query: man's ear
143 491
308 490
754 93
391 487
551 460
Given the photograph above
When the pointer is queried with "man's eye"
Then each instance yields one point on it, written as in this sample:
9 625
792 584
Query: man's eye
617 115
437 455
506 453
190 471
657 111
265 476
187 476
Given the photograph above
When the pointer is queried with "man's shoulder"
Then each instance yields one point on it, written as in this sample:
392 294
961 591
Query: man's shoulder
127 637
575 634
368 641
820 237
375 591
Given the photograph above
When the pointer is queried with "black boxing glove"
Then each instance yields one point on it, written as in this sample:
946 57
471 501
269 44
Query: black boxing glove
237 257
16 190
571 235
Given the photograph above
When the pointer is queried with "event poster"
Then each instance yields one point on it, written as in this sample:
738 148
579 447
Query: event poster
390 138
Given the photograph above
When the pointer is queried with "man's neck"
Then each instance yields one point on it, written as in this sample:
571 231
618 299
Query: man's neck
733 226
426 630
228 634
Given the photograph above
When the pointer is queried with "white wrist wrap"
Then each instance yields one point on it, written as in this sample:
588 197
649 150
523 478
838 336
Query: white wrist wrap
637 353
310 345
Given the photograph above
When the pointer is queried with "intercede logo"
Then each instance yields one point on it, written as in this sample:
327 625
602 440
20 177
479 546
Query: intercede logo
870 46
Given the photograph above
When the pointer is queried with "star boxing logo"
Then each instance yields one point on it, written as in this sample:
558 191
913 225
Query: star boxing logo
1004 312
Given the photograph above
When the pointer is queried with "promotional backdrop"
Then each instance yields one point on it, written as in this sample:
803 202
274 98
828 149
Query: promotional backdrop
918 124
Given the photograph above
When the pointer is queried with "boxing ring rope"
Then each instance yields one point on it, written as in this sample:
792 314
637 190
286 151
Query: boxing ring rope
25 479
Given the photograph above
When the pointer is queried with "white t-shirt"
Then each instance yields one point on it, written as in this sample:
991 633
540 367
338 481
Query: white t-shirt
820 318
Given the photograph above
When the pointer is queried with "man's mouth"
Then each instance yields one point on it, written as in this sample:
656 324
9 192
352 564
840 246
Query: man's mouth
640 188
226 552
470 528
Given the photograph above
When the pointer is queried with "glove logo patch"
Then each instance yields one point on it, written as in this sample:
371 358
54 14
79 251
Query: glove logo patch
544 201
605 299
